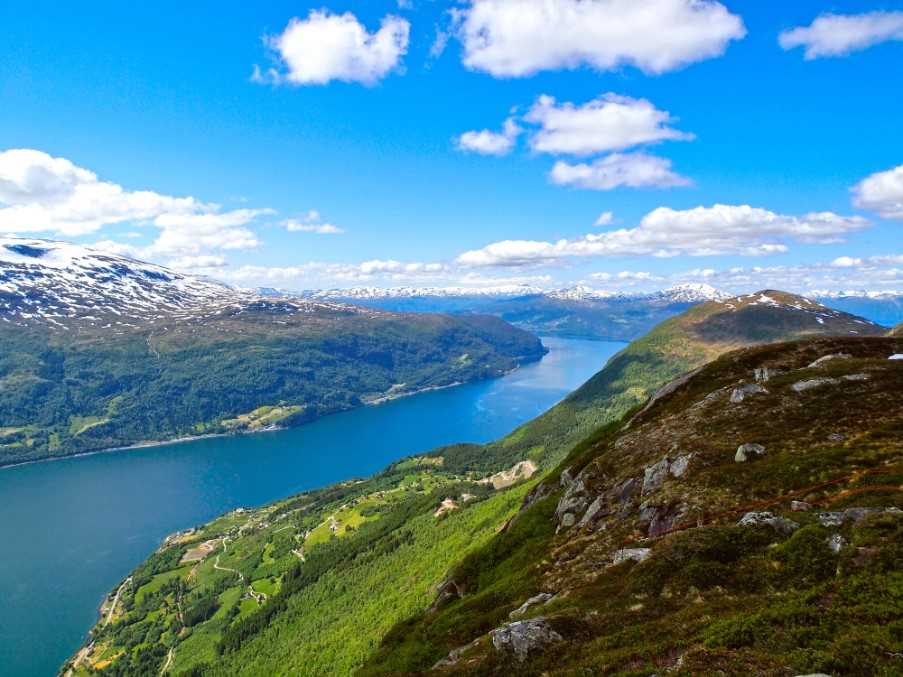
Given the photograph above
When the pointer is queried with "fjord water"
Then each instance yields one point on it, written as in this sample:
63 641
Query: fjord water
70 530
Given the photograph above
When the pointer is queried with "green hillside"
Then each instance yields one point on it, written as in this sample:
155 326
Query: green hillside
342 566
709 534
265 364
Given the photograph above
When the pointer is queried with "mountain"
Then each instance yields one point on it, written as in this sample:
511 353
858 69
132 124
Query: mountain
332 572
100 351
747 521
883 307
577 312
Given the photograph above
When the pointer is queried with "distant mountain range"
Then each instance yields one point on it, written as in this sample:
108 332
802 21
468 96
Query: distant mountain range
101 351
582 311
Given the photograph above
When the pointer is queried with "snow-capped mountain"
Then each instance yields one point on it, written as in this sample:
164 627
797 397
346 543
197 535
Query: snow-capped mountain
64 285
373 293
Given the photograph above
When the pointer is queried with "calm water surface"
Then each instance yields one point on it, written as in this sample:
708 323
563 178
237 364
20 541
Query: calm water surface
70 530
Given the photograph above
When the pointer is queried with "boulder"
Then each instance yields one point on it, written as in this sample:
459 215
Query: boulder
679 466
828 358
780 524
765 374
748 451
522 638
631 554
541 598
836 542
741 392
800 506
809 384
575 500
655 475
592 511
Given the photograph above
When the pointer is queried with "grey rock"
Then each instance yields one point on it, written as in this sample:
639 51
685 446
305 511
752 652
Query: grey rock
780 524
631 554
856 377
828 358
626 490
523 638
655 475
679 466
454 655
566 478
648 511
541 598
764 374
836 437
809 384
574 501
664 391
568 519
748 451
836 542
740 393
830 519
594 509
858 514
800 506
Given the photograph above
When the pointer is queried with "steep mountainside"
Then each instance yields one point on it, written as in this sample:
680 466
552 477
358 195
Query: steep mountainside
338 568
674 347
746 522
577 312
98 351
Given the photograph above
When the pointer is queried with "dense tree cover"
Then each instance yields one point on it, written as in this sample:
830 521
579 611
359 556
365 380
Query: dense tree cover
62 393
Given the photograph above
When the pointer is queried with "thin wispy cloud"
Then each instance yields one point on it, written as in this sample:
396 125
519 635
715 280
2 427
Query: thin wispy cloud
834 35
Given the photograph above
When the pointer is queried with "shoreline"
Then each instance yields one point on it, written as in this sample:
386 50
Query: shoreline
383 399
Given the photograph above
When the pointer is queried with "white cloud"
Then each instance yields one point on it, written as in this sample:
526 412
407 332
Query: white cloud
703 231
41 193
311 223
198 262
881 192
610 122
516 38
487 142
632 170
326 47
846 262
839 34
625 276
604 219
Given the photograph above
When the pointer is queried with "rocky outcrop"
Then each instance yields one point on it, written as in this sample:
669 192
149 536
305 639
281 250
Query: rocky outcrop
828 358
780 524
630 555
523 638
506 478
748 451
837 518
741 392
809 384
541 598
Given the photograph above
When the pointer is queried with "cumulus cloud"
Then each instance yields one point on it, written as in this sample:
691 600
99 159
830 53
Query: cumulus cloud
846 262
625 276
832 35
488 142
703 231
632 170
311 223
517 38
41 193
198 262
607 123
326 47
881 192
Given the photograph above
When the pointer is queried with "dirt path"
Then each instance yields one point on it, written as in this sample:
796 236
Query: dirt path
168 662
109 617
216 565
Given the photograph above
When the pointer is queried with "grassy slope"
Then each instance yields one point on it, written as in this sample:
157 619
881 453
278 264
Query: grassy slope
392 577
68 392
712 597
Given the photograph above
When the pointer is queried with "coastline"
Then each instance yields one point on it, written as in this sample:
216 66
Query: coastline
382 399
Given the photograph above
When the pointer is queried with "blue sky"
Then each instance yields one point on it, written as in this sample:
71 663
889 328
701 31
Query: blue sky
161 98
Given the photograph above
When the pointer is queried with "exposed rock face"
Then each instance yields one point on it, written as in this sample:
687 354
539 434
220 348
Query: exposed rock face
655 475
800 506
631 554
809 384
541 598
837 518
765 374
748 451
680 465
836 542
827 358
522 638
504 479
740 393
779 524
